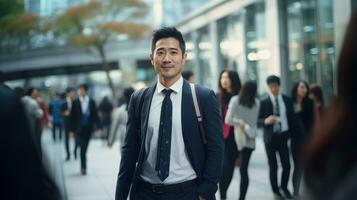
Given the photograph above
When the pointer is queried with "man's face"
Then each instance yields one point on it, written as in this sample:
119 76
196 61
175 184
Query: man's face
274 88
70 94
168 58
81 92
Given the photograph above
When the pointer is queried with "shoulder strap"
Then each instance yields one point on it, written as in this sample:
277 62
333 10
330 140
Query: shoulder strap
198 112
141 96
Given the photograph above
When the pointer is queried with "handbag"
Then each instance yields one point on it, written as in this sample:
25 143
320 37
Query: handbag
239 137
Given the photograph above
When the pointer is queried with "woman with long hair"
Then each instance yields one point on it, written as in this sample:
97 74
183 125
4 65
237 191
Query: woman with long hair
229 85
331 161
304 111
243 115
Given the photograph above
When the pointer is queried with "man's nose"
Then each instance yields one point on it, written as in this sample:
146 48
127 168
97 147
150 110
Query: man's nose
167 58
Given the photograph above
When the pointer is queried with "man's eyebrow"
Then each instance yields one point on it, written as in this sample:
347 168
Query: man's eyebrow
163 48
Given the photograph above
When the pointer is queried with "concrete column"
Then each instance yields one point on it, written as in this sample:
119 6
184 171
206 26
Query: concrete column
216 63
277 35
197 68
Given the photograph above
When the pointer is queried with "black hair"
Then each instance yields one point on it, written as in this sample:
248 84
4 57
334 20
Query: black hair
127 94
187 74
273 79
166 32
84 86
247 94
223 94
30 90
295 89
69 89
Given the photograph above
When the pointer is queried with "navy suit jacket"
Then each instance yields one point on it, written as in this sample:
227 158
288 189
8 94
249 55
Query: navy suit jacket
206 159
266 109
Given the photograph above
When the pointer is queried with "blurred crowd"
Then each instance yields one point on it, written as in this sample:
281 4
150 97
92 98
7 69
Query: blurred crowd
320 139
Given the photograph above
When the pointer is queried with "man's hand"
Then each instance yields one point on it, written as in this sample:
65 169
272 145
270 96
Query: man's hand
201 198
71 134
270 120
66 113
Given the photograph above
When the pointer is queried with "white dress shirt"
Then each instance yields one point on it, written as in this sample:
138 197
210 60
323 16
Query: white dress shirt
84 104
180 166
282 111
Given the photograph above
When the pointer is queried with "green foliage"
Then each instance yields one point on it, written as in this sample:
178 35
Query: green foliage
96 22
17 27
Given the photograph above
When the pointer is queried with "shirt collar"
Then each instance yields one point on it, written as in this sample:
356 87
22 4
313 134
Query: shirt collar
272 97
85 98
176 87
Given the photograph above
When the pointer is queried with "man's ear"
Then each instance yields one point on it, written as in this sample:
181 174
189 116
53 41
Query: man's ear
151 58
184 57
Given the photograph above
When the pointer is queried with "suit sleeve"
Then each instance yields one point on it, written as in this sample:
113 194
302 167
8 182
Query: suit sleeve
214 147
129 153
261 115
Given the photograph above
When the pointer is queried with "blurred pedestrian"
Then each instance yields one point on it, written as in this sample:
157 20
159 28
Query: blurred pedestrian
23 175
188 76
34 112
331 162
84 117
45 119
317 97
228 85
120 119
243 114
276 117
105 109
165 156
56 118
304 111
66 108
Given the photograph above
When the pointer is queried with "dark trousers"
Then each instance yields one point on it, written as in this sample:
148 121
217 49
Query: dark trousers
296 146
278 144
59 128
84 137
245 155
230 156
188 192
66 143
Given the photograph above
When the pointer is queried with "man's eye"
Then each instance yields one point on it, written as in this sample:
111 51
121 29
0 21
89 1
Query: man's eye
174 52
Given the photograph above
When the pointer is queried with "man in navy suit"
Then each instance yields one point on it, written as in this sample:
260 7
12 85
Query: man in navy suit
276 116
165 156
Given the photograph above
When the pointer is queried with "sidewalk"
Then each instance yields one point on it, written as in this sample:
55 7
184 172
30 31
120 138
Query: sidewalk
103 165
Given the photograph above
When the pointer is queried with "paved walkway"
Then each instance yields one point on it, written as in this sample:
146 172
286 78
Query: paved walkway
103 164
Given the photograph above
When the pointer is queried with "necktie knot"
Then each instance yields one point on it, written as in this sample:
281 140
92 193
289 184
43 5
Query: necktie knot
167 92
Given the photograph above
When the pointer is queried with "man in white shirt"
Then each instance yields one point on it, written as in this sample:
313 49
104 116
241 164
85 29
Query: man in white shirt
84 118
276 117
165 156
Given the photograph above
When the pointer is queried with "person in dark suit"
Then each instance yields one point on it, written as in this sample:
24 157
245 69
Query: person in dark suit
165 156
84 117
23 174
276 117
304 112
66 108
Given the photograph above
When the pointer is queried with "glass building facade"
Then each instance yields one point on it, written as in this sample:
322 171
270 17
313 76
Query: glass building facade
295 39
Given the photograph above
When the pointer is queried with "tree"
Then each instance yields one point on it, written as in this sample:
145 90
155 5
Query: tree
95 23
17 26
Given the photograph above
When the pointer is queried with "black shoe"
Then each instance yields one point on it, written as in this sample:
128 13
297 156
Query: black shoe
67 158
286 194
278 196
84 171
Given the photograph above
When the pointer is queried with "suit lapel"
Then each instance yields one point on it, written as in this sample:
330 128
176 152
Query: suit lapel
145 111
